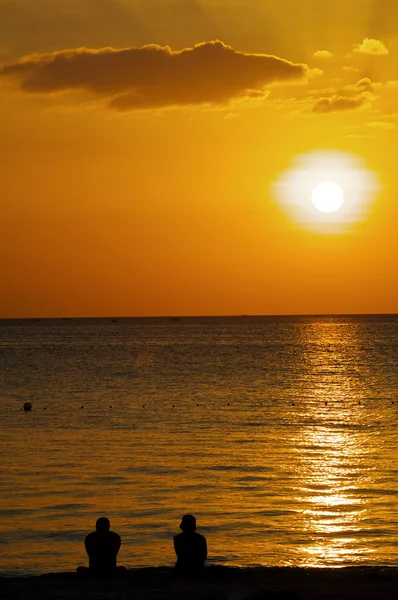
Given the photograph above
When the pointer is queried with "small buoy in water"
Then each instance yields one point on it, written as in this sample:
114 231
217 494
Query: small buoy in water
143 406
27 406
110 406
44 408
359 402
292 403
393 402
82 407
229 404
174 405
326 403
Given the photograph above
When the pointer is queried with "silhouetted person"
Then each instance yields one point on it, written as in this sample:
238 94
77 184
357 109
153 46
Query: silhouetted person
190 547
102 546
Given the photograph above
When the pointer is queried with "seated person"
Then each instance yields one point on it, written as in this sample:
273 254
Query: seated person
102 547
190 547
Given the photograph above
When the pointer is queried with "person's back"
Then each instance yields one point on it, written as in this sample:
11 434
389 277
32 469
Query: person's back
102 547
190 548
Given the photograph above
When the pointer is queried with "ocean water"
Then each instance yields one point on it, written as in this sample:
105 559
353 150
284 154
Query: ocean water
279 433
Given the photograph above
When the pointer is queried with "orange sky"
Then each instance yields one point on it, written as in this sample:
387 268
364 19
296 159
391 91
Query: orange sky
139 157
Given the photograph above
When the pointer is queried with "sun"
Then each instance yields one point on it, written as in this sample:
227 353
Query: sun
326 191
327 197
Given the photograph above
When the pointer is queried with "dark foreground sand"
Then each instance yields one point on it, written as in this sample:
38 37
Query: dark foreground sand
218 583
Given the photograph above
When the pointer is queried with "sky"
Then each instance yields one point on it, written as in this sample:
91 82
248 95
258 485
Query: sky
158 157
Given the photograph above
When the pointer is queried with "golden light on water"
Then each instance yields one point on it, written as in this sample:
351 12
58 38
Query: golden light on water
327 192
335 508
333 450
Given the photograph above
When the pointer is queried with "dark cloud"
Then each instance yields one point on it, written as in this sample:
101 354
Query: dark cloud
338 103
153 76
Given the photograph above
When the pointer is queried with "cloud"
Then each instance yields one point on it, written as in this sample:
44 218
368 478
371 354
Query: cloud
349 69
381 125
335 98
323 54
364 84
153 76
360 136
371 46
338 103
314 72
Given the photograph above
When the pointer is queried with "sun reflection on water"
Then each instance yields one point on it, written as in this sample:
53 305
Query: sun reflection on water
333 454
334 508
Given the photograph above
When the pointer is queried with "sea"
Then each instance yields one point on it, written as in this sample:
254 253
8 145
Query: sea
279 434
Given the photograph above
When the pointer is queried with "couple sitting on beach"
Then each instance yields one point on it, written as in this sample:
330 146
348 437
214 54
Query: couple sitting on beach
102 547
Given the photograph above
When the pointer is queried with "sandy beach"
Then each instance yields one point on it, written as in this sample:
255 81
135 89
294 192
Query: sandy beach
218 583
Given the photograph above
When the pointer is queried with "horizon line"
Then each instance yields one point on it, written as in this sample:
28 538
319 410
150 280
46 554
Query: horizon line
212 316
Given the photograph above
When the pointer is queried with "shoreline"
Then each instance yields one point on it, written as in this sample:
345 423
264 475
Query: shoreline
217 583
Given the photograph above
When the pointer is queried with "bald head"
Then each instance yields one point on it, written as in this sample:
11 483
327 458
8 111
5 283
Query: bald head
103 524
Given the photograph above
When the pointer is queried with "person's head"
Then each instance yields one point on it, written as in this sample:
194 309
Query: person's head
102 524
188 523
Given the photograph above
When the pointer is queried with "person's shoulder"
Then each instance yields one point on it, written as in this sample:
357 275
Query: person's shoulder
179 536
199 536
90 537
115 535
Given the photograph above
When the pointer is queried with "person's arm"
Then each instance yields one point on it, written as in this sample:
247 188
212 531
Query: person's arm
177 545
89 544
204 549
117 541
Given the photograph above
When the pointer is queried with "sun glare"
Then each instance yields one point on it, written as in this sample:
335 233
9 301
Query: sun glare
327 197
326 191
